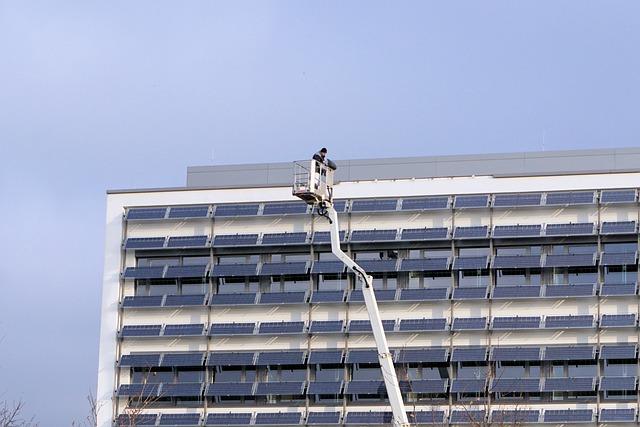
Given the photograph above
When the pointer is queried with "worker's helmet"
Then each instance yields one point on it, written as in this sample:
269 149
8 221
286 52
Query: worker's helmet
323 150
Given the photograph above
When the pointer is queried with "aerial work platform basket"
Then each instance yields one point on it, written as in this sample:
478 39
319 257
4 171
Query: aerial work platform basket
313 182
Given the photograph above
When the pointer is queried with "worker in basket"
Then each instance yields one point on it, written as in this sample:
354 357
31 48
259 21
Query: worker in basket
321 156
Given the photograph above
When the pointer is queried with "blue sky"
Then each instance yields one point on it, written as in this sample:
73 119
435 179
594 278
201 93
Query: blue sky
97 95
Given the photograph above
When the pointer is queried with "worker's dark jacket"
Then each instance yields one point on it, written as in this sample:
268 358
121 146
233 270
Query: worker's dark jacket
325 161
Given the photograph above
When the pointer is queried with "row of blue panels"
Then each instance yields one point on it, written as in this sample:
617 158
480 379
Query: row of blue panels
302 268
382 295
428 355
571 198
383 235
403 325
437 417
358 388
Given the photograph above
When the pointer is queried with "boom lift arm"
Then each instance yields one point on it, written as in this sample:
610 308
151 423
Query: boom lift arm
315 186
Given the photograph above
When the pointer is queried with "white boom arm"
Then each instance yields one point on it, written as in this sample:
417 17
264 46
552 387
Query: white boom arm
384 355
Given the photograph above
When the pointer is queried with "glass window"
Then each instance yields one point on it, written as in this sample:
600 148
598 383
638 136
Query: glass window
510 370
621 274
582 370
142 288
573 249
429 253
364 374
249 259
519 250
290 257
227 375
472 370
163 289
196 260
620 247
158 262
470 278
368 255
619 368
474 251
333 282
190 376
293 375
329 374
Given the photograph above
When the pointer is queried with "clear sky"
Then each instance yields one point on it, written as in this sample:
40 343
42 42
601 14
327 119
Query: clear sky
116 94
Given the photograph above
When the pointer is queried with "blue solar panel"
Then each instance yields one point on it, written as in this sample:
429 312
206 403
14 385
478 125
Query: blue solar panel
280 388
283 268
325 237
425 203
137 302
232 328
233 299
513 200
424 294
325 326
408 325
285 208
470 293
325 357
365 325
182 330
237 210
145 390
364 418
617 415
137 420
180 420
230 359
469 354
515 385
614 258
325 387
481 201
469 323
327 267
143 272
424 264
570 198
618 196
569 290
144 243
439 233
228 419
276 358
176 271
580 228
560 322
608 289
619 227
327 297
233 270
140 360
373 205
146 213
504 231
281 328
573 352
278 419
235 240
620 351
283 298
570 260
182 390
516 261
362 356
618 320
230 389
515 353
182 359
378 265
365 387
284 238
424 386
381 295
516 322
618 383
568 415
373 235
479 232
426 417
509 292
187 242
141 330
569 384
468 385
323 417
189 212
515 417
470 263
470 416
421 355
184 300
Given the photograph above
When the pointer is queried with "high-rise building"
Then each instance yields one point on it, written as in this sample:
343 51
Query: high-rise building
507 284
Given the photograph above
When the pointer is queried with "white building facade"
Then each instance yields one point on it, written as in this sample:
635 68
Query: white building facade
507 285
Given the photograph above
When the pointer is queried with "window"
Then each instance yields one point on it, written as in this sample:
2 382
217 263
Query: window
333 282
329 374
519 250
190 376
470 278
474 251
366 374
